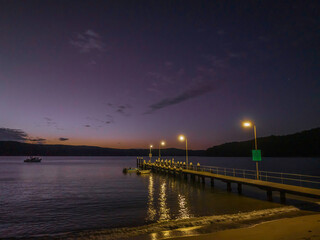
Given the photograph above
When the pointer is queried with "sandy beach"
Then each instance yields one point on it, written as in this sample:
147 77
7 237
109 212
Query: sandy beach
285 223
296 228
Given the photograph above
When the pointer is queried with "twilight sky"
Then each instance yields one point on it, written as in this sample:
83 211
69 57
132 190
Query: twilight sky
126 74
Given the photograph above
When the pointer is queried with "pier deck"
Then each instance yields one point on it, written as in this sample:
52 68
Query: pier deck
271 186
201 173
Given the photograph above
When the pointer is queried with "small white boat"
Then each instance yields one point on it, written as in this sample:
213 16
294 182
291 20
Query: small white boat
143 172
33 159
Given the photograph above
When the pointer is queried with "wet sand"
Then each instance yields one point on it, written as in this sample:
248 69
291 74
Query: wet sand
296 228
284 223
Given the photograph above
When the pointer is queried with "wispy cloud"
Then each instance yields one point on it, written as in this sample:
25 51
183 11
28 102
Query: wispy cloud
37 140
9 134
120 109
160 80
97 123
184 96
109 119
51 123
88 41
205 77
62 139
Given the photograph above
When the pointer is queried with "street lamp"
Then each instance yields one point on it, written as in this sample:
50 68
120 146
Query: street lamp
182 138
162 143
249 124
150 154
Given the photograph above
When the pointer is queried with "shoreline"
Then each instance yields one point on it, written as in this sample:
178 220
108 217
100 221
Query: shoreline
186 228
295 228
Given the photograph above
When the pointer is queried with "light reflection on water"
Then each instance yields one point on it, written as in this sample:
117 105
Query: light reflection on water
180 232
183 210
151 215
76 193
164 211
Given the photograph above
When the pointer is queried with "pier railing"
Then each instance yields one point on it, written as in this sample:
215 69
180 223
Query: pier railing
302 180
297 184
278 177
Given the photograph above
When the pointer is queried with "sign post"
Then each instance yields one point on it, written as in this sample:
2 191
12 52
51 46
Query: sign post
256 157
256 154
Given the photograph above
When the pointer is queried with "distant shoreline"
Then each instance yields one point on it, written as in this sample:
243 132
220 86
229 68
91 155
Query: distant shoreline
147 157
302 144
293 228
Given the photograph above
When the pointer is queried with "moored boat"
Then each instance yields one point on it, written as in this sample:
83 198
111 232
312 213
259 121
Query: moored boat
33 159
143 172
130 170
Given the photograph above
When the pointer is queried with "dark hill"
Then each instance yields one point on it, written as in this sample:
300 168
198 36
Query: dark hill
302 144
10 148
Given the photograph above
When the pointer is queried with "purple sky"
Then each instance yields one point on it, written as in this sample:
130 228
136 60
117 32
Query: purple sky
127 74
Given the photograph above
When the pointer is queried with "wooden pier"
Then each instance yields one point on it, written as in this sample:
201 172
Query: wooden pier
179 169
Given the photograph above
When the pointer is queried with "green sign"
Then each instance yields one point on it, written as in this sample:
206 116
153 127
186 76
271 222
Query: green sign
256 155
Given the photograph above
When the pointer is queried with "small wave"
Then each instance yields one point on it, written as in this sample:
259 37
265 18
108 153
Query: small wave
120 233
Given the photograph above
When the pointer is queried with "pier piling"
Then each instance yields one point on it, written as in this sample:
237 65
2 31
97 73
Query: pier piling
282 197
239 188
269 195
212 182
229 186
203 180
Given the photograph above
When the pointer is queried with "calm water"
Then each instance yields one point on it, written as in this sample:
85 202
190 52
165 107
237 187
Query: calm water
63 194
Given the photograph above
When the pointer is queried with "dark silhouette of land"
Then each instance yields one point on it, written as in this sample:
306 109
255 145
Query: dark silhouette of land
11 148
302 144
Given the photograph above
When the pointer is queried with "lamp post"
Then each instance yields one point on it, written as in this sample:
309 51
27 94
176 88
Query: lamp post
150 154
162 143
182 138
249 124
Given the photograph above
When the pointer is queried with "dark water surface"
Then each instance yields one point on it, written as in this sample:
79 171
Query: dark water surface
63 194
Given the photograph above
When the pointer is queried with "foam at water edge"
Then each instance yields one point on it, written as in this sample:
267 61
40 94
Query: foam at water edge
116 233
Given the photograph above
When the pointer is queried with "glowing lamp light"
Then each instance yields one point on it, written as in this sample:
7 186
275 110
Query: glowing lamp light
247 124
182 138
